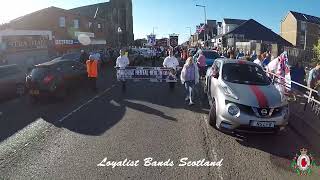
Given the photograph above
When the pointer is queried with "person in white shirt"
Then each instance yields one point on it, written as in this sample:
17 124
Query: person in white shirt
258 60
171 61
122 62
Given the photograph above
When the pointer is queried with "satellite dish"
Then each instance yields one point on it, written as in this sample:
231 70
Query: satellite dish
119 30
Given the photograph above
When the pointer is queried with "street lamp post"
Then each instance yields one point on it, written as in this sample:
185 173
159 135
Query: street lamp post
190 35
119 31
153 28
205 20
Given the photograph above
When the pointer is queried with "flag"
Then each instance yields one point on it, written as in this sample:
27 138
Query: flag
200 29
280 66
151 40
173 40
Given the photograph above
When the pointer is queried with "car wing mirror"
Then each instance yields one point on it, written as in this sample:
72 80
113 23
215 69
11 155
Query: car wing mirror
215 74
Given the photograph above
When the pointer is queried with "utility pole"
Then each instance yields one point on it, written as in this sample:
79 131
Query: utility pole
190 35
305 39
205 20
153 28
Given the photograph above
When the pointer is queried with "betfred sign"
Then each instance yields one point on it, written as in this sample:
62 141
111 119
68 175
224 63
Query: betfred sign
66 42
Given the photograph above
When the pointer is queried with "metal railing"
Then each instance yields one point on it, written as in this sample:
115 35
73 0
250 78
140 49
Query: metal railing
307 92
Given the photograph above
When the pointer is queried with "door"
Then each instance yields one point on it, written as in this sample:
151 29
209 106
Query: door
214 82
68 74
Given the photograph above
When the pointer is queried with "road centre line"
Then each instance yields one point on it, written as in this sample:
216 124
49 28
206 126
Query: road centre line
212 151
86 103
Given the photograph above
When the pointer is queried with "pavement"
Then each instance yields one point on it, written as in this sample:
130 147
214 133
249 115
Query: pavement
75 138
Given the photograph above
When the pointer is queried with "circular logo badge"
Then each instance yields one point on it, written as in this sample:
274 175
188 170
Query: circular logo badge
303 162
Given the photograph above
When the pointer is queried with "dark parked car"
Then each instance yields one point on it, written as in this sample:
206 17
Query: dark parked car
55 78
11 81
71 56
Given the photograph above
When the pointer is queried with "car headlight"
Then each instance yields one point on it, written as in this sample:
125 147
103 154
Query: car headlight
227 91
233 110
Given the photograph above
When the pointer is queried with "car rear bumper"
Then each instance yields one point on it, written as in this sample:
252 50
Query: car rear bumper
40 93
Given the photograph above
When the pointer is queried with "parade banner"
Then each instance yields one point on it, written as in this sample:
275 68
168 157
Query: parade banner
173 39
151 40
153 74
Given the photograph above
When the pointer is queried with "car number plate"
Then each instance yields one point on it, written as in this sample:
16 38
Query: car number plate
34 92
262 124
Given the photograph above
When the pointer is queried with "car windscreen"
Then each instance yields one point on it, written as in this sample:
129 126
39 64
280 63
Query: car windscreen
244 74
210 54
71 56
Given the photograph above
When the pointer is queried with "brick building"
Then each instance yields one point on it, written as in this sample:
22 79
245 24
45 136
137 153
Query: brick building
301 30
70 31
116 13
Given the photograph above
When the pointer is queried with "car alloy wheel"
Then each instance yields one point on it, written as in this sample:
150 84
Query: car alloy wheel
213 114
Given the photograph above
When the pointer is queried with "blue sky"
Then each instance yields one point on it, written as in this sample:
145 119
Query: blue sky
173 16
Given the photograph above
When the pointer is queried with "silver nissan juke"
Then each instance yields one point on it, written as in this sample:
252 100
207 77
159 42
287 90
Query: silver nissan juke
243 98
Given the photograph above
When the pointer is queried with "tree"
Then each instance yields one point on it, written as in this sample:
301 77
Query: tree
316 50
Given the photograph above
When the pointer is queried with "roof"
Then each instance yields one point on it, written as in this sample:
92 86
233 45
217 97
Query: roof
91 10
235 61
48 9
305 17
36 12
234 21
252 30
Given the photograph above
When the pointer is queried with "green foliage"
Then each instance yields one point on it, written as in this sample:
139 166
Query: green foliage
316 50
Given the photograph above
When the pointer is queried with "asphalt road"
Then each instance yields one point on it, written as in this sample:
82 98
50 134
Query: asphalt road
69 139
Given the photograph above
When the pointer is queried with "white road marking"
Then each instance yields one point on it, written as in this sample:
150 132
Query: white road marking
114 103
88 102
211 147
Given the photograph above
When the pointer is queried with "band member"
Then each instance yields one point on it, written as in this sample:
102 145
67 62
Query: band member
171 62
122 62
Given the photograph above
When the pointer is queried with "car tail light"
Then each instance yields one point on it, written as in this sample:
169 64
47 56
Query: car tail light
48 79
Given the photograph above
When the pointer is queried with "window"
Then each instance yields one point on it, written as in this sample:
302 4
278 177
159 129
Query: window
76 23
210 54
302 40
62 22
244 74
99 27
303 26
